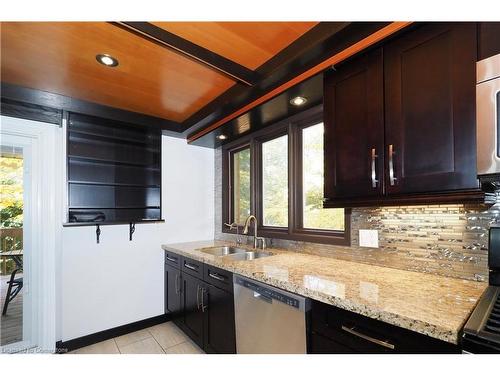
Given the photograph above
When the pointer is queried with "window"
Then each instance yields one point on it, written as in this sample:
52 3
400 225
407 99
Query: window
275 182
277 175
313 214
241 185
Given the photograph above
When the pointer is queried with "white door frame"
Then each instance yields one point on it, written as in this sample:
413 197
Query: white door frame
43 233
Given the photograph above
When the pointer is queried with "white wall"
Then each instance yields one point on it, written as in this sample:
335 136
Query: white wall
117 281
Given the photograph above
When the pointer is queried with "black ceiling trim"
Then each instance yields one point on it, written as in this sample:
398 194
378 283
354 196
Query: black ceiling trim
30 111
341 36
212 110
61 102
169 40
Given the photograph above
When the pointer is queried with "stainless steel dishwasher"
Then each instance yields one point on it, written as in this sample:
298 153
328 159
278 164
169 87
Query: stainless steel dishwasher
268 319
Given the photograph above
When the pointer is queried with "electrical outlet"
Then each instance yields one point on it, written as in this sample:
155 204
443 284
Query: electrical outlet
368 238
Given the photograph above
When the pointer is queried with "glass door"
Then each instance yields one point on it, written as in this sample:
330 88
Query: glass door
16 320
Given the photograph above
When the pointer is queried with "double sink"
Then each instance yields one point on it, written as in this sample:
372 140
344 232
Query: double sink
235 253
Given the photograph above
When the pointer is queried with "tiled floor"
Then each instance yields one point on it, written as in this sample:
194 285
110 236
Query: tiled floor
160 339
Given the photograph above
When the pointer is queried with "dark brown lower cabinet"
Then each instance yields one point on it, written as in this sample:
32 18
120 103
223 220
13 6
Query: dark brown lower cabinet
173 304
337 331
192 315
203 311
218 327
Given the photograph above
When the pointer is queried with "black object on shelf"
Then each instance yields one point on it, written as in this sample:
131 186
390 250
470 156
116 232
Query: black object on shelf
86 216
98 232
131 230
114 171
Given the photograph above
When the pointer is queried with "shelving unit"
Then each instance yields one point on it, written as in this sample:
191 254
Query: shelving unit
114 172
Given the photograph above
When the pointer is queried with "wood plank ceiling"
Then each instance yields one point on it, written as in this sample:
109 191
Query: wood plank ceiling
59 57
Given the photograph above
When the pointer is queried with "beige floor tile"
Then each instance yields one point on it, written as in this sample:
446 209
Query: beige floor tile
103 347
132 337
168 335
187 347
147 346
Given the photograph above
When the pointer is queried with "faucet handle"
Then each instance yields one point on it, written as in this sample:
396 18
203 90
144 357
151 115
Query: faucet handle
263 240
231 226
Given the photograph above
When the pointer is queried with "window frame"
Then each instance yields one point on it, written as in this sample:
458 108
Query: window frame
228 191
295 231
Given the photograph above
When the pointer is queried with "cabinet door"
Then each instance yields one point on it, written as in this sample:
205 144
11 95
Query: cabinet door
192 317
430 109
489 40
219 329
173 291
354 128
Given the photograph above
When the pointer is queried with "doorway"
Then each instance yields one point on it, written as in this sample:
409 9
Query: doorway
30 219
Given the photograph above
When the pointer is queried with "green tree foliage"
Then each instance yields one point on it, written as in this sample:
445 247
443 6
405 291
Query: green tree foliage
11 192
275 182
315 216
242 185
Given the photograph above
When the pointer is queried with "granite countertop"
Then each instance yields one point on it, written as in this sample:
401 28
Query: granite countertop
436 306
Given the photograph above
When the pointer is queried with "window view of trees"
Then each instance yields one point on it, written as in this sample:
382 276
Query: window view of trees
275 182
241 185
279 160
11 208
314 215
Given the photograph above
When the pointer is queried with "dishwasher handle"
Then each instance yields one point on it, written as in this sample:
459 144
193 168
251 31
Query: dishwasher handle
262 298
269 293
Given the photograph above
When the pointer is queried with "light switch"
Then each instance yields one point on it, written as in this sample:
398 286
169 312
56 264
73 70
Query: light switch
368 238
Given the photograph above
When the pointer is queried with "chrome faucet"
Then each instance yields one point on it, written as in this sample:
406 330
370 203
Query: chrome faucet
256 239
233 226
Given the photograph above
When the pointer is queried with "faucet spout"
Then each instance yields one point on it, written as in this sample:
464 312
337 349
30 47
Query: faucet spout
247 224
256 239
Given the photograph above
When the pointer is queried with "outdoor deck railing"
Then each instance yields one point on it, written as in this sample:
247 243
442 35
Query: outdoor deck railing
10 239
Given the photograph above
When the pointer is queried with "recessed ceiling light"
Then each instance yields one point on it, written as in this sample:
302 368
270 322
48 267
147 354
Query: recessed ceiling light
298 101
221 137
105 59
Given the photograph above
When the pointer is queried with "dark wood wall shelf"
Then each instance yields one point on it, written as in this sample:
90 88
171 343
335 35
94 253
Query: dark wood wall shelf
83 224
111 184
114 172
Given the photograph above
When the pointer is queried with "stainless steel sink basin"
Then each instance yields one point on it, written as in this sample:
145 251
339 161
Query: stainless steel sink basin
223 251
250 255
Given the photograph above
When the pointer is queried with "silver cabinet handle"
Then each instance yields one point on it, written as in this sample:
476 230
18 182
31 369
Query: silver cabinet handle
198 297
216 276
392 179
191 267
385 344
172 259
177 284
203 307
374 171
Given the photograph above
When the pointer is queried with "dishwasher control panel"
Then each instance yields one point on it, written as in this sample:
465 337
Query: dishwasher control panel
269 293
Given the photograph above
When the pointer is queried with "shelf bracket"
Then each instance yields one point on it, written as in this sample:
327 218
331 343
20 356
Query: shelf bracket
131 231
98 232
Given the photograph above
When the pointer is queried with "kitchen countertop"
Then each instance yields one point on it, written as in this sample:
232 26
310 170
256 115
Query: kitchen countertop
433 305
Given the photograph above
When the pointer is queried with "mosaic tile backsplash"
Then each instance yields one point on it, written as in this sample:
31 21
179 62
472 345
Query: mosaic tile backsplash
449 240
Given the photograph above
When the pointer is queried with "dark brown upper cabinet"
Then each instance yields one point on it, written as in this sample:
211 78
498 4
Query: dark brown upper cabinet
430 91
354 128
401 128
488 39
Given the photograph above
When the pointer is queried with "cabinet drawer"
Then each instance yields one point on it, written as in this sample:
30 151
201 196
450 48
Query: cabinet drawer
192 267
322 345
172 259
218 277
366 335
